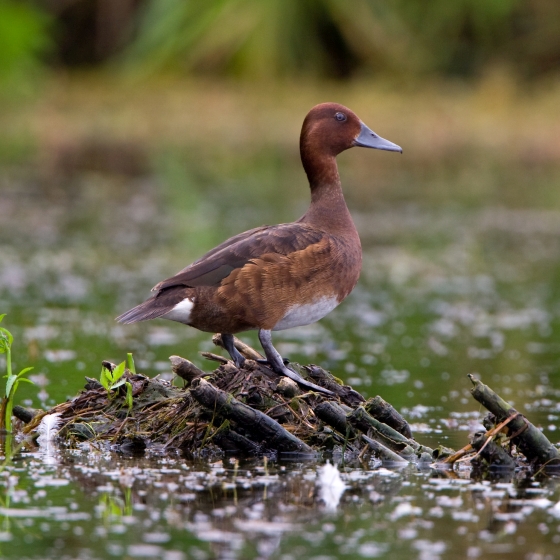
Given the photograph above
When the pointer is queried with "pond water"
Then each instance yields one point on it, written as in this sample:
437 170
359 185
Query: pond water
447 289
95 505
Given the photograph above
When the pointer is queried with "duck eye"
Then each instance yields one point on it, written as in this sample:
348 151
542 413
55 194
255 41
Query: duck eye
340 116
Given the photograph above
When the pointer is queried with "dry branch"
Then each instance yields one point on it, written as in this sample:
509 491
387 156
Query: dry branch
386 413
529 440
327 380
389 437
185 369
262 427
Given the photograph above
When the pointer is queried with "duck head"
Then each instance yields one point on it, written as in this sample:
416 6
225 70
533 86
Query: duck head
328 129
331 128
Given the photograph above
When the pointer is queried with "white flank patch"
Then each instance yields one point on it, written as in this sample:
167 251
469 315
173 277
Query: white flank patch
299 315
181 312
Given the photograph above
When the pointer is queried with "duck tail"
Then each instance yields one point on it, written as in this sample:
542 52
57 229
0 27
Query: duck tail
143 312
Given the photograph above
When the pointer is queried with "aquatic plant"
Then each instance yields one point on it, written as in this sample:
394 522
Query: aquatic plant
12 380
130 362
112 379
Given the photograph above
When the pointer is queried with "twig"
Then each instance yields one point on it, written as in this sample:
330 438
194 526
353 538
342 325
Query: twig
455 458
363 452
214 357
121 427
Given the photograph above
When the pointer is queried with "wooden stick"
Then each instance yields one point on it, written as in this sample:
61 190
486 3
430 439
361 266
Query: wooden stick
392 439
328 381
333 415
489 434
529 440
185 369
386 413
214 357
244 349
259 425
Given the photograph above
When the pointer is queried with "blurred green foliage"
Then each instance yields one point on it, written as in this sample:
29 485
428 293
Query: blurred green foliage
24 39
461 36
264 38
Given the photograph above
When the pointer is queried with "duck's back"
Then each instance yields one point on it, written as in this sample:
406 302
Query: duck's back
272 277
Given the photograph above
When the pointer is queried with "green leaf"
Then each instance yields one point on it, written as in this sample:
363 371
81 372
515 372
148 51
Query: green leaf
110 379
6 340
26 380
23 372
118 372
10 385
118 384
104 377
128 399
130 361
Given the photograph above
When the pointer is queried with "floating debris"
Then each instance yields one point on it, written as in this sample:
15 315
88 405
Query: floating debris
253 411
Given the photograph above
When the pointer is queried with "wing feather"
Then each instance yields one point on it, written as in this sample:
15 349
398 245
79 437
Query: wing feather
217 264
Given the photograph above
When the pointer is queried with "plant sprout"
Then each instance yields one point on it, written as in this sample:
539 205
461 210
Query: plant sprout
12 380
112 380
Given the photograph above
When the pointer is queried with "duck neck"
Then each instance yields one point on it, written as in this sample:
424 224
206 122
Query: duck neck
328 208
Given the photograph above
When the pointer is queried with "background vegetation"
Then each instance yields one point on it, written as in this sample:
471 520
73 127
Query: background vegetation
284 38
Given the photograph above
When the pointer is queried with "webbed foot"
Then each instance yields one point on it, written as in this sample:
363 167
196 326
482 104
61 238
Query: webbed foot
277 364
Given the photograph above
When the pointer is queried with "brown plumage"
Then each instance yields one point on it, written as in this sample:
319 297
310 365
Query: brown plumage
276 277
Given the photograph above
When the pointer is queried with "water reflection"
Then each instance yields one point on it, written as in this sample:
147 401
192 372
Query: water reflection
98 505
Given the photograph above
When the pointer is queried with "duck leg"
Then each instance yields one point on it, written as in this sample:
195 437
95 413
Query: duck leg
277 364
265 362
229 345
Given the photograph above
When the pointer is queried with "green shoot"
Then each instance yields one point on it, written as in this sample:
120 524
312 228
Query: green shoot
114 379
128 397
12 380
130 363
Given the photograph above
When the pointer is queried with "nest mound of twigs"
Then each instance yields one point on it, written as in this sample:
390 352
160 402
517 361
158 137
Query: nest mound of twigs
252 410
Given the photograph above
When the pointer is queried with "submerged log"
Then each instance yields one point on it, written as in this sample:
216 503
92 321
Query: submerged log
389 437
386 413
232 442
529 440
491 452
382 452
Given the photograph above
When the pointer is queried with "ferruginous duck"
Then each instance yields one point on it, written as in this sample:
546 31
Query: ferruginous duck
273 278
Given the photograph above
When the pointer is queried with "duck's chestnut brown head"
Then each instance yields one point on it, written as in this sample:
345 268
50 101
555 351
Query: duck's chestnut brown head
331 128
